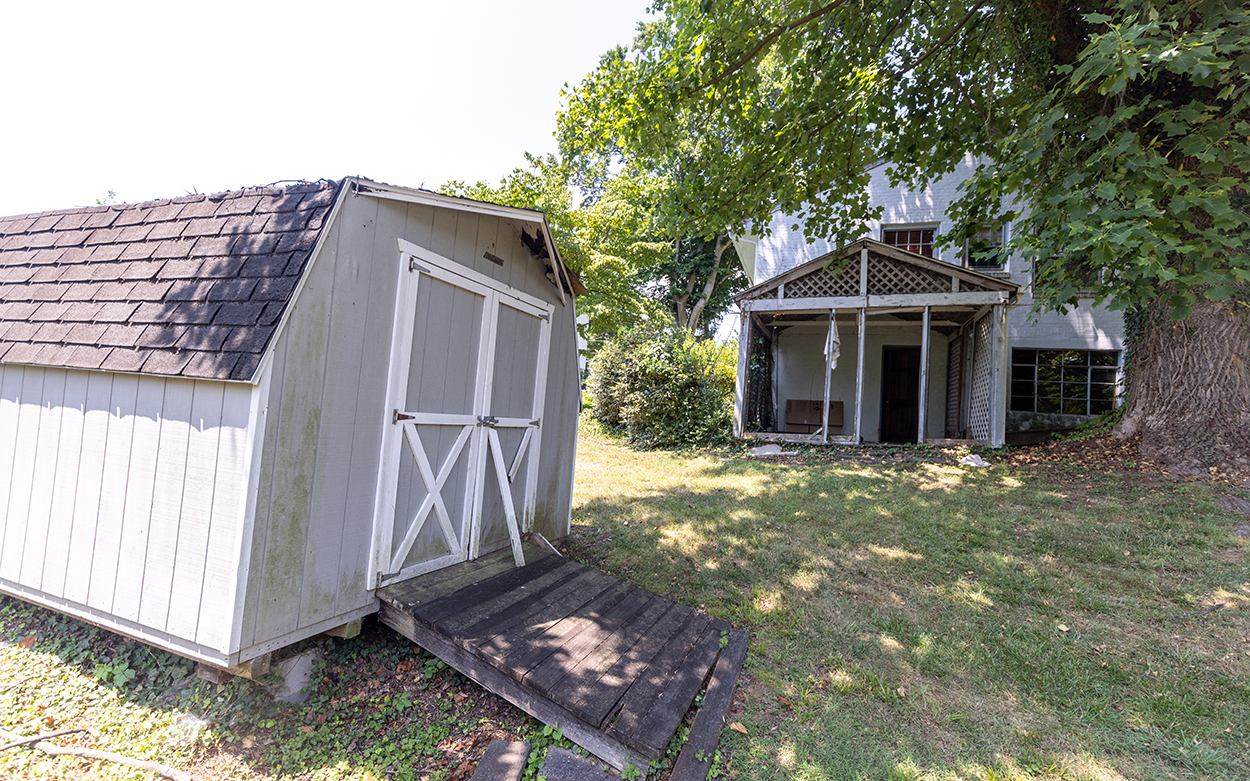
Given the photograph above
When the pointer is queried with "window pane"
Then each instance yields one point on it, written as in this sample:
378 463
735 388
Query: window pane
1099 407
1049 357
1021 403
1021 388
918 240
1048 405
1074 407
1048 390
1024 356
1023 372
1075 374
1075 390
1102 392
1102 375
1075 358
1104 358
1049 373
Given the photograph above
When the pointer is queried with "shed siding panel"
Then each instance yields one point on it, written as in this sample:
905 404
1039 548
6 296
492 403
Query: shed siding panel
65 478
90 486
43 488
191 552
171 470
26 440
10 406
307 336
109 525
94 450
347 252
140 486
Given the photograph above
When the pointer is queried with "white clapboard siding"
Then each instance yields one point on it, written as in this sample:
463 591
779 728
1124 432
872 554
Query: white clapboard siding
93 465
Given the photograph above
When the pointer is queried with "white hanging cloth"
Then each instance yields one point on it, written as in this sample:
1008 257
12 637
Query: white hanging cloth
833 343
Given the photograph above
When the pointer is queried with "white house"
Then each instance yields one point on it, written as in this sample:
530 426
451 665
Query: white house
226 419
1057 369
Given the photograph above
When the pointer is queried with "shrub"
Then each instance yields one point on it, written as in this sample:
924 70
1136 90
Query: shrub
664 390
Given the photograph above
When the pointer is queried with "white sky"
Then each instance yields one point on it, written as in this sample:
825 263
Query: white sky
158 99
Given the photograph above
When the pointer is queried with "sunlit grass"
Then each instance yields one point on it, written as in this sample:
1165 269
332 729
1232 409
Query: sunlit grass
931 621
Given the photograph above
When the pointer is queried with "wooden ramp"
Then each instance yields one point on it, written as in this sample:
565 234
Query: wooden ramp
614 665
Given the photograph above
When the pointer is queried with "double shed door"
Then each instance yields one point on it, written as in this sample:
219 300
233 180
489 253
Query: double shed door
465 397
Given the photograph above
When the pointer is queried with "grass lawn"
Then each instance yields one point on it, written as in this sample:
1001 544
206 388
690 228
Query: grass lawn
917 620
1054 616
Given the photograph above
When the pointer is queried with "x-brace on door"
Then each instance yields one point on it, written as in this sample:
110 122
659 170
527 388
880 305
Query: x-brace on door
465 394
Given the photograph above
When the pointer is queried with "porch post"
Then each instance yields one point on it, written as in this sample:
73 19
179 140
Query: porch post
998 387
740 392
924 376
824 411
859 377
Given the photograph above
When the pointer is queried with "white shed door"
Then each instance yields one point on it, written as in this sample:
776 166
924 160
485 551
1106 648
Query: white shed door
465 398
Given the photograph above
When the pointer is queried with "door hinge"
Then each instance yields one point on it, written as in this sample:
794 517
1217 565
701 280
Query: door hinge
384 575
487 420
397 416
536 421
413 265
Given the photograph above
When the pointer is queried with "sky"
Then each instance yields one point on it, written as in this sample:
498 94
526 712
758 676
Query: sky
161 99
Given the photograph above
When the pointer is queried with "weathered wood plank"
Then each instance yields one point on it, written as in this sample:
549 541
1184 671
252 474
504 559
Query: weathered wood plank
495 635
637 701
672 702
602 698
425 589
585 735
705 731
576 648
483 598
480 622
541 643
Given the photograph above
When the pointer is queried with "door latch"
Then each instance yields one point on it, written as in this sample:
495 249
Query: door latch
397 417
487 420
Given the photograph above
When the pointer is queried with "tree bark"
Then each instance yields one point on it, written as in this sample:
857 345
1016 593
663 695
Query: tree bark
1189 386
722 242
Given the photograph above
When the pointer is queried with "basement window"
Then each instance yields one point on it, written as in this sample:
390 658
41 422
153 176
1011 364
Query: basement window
1067 382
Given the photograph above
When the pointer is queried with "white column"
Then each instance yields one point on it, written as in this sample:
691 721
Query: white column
740 392
998 387
924 377
859 377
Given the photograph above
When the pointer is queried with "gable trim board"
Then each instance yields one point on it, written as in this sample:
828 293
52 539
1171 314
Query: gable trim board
901 292
261 527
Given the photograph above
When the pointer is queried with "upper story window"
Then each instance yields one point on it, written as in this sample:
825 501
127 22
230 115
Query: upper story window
985 250
917 240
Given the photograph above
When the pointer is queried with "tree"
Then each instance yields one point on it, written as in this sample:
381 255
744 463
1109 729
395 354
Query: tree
1116 135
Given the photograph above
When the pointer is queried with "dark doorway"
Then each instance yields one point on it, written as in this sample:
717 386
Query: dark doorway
900 394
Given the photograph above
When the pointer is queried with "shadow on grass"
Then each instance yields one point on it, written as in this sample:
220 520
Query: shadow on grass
926 621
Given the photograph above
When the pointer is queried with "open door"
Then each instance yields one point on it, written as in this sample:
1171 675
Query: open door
465 395
900 394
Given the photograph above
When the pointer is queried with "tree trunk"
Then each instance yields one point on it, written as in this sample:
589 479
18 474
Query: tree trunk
1189 386
722 241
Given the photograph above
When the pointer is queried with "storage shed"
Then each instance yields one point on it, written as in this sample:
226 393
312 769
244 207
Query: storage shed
225 420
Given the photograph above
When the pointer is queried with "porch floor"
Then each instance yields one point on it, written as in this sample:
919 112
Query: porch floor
614 665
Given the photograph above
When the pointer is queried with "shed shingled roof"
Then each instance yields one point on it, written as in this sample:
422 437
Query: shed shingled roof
190 287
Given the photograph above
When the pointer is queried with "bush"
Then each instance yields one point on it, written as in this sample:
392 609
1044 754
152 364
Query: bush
665 390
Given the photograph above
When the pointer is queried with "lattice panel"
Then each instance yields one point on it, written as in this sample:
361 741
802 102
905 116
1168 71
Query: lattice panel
889 277
969 287
982 376
825 282
771 293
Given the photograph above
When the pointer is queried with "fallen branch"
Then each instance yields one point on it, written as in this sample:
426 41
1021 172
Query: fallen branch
90 753
38 738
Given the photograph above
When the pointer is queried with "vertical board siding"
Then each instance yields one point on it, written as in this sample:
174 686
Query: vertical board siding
99 463
140 491
42 488
26 438
118 447
191 549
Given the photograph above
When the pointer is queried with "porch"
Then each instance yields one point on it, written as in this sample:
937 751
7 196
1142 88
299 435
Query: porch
874 344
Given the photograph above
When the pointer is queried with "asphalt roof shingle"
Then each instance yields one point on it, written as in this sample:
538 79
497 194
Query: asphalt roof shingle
191 286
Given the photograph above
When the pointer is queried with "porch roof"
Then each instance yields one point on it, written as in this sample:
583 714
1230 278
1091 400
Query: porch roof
867 274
